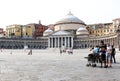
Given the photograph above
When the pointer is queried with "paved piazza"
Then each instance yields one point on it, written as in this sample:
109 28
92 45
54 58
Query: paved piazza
49 65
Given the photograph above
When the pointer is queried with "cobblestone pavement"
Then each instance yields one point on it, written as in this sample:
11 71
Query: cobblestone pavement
50 65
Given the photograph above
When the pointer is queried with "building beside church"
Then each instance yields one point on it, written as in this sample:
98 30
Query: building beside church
69 32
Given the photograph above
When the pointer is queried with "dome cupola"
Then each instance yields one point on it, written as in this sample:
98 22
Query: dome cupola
70 18
69 22
82 31
47 32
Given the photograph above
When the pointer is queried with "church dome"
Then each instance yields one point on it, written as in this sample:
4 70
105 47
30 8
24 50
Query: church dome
70 18
82 31
47 32
69 22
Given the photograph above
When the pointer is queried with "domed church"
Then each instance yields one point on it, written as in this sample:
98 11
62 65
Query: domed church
65 32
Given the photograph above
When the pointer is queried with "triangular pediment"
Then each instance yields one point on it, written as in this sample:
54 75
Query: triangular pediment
60 33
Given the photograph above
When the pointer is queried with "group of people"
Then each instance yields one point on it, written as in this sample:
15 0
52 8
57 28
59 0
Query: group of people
104 54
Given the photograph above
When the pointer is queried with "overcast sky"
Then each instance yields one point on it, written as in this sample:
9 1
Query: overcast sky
50 11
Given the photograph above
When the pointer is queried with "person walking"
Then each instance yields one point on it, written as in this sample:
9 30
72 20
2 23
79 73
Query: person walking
60 51
30 52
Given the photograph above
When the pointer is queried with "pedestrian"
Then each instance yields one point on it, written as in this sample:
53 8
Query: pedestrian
30 52
103 54
96 53
108 55
60 51
113 54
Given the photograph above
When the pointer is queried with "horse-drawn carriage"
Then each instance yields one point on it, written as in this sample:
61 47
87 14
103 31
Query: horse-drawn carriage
69 51
66 50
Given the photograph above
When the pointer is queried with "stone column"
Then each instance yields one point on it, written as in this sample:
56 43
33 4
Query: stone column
72 42
58 42
92 43
52 42
61 41
68 42
48 42
65 42
55 42
117 41
110 41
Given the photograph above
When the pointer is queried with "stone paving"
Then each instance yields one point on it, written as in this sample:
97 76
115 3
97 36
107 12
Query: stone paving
49 65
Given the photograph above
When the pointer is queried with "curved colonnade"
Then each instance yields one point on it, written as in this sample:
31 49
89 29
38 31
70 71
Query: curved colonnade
57 42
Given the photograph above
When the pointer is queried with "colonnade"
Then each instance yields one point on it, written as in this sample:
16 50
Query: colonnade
87 43
20 44
58 42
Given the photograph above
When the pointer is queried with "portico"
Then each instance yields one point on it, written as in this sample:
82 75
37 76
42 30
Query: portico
59 39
